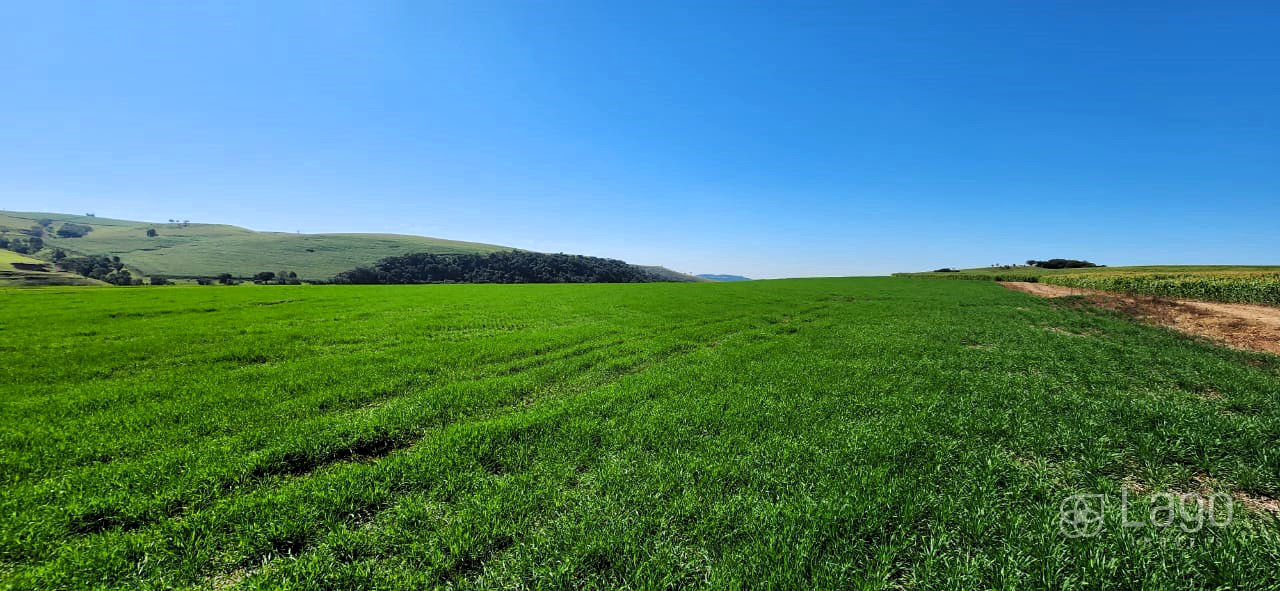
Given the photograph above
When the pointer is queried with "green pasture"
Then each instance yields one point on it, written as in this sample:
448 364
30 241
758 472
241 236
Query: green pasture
835 433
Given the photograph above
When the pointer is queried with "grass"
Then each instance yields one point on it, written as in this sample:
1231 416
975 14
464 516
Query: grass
851 433
210 249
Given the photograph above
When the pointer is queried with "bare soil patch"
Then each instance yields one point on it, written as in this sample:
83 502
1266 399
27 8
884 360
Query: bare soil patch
1243 326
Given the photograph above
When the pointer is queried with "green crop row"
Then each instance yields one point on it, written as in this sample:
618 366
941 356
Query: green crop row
1028 275
1236 287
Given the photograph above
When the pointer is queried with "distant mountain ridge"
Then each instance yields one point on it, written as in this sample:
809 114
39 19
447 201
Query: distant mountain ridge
723 278
670 275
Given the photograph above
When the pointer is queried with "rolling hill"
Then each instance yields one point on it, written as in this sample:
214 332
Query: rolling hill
184 250
669 275
24 271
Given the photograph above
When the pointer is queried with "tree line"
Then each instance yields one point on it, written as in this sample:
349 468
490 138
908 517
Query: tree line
499 267
100 267
1061 264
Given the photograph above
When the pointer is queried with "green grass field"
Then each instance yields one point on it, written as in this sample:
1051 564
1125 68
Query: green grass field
835 433
210 249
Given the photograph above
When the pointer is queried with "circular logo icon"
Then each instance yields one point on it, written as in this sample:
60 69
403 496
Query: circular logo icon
1080 516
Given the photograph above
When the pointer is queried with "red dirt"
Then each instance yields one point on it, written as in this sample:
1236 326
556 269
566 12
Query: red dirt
1242 326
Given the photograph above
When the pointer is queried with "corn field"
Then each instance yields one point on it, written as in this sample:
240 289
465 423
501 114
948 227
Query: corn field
1235 287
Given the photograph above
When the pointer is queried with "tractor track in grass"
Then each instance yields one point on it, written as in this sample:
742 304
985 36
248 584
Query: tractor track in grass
1242 326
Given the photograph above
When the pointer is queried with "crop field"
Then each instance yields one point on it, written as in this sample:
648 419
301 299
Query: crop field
1242 287
827 433
1235 284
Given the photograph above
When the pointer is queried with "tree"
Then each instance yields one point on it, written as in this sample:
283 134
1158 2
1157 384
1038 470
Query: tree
160 280
119 277
70 230
226 279
286 278
100 267
263 277
46 222
151 232
59 254
204 281
1063 264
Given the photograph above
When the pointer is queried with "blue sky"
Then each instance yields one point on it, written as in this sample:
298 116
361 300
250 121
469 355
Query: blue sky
766 139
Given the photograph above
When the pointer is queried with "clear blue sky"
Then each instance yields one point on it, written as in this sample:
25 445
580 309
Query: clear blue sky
762 139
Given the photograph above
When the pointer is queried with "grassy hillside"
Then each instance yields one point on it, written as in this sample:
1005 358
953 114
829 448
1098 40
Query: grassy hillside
835 433
210 249
22 271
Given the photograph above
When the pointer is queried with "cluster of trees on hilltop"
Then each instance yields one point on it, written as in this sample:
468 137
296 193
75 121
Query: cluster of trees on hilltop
1061 264
498 267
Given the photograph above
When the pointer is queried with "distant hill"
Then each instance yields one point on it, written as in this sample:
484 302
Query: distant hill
712 277
670 275
186 250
